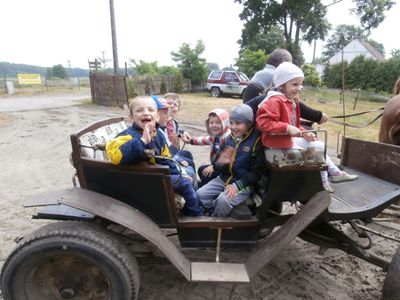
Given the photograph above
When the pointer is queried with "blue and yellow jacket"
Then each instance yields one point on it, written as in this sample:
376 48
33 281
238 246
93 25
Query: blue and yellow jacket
128 148
248 162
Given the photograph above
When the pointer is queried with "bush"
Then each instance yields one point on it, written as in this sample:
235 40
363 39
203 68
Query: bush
163 88
363 73
311 76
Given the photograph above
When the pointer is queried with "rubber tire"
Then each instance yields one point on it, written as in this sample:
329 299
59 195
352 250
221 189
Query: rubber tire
87 253
391 286
215 92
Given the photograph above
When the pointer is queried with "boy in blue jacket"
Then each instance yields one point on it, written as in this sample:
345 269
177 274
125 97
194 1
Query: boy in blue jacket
240 165
130 145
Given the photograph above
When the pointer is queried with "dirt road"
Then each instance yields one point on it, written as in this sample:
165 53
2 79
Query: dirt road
34 147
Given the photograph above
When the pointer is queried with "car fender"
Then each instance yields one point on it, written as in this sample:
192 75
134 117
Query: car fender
118 212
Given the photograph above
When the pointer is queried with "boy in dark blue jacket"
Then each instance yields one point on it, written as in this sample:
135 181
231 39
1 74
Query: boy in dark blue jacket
130 145
241 165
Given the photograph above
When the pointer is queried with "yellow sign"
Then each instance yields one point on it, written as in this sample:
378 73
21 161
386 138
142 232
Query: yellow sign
29 79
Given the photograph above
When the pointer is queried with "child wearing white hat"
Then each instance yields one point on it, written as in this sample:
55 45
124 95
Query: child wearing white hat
279 113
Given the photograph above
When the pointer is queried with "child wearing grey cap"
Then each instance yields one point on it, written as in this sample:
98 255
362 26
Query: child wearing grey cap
240 165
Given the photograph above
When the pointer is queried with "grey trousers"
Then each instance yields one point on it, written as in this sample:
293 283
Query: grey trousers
213 197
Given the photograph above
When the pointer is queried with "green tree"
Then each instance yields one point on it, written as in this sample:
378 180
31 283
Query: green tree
303 20
371 12
190 62
299 21
57 71
332 77
178 83
249 62
395 52
311 76
267 39
145 68
49 72
168 70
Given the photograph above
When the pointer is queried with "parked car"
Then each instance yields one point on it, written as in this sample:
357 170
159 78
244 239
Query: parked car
221 82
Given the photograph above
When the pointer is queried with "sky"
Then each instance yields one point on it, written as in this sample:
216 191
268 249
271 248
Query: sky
71 32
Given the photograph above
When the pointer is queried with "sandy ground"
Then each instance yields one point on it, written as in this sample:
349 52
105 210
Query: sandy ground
34 147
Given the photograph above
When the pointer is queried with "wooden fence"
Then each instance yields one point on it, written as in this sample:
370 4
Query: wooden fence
103 91
102 87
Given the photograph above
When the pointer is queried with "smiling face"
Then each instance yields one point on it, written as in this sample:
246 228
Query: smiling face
174 104
214 125
292 88
144 111
238 128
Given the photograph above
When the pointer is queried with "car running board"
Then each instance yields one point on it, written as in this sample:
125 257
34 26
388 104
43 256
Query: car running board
219 272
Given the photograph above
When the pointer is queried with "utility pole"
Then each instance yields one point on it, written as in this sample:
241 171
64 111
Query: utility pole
115 51
114 38
315 41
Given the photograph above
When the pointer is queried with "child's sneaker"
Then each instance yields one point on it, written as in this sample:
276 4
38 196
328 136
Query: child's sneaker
343 177
327 187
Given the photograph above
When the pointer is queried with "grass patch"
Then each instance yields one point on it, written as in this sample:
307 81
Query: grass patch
195 108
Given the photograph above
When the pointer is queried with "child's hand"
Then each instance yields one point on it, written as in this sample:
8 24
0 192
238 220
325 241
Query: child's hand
188 177
226 156
184 163
324 118
146 136
231 191
293 130
309 136
173 137
207 172
186 137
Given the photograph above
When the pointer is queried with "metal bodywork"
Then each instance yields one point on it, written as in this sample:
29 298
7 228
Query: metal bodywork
141 198
120 213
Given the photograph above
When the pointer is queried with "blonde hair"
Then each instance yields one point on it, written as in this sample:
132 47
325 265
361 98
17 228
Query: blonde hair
173 96
396 89
132 101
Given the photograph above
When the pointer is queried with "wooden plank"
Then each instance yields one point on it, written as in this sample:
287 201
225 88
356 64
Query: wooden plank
216 222
219 272
365 197
278 240
376 159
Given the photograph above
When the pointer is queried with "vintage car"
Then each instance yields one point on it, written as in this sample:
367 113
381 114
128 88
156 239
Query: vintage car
89 251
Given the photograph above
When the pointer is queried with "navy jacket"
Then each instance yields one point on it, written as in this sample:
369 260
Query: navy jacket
248 162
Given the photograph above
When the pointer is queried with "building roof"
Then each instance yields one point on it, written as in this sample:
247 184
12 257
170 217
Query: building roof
375 52
355 48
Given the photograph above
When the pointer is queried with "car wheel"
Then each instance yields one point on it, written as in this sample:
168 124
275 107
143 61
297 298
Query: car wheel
215 92
391 286
70 260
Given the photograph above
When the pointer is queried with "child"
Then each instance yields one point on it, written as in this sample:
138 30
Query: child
173 133
130 145
217 125
179 156
240 165
280 113
173 130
